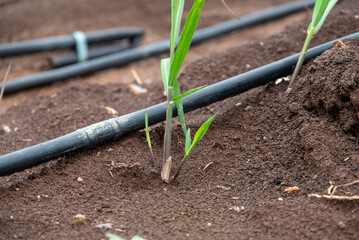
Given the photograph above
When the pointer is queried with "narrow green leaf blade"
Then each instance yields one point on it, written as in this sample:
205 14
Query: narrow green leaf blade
201 132
325 14
147 130
177 10
136 237
185 40
179 105
188 140
165 69
187 93
114 236
318 11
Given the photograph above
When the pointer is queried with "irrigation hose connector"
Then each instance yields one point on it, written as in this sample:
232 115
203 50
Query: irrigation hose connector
81 46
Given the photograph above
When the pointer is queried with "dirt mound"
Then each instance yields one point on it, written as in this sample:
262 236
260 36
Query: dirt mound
332 86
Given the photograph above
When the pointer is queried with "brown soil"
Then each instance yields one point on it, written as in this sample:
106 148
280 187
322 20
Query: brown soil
261 143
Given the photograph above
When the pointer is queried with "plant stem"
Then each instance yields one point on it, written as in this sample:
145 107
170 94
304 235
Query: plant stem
168 129
152 157
300 60
173 178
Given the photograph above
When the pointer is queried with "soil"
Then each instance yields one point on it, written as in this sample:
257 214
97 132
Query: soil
232 186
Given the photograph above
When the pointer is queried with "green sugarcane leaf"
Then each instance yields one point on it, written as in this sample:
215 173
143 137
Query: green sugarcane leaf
165 69
187 93
185 40
201 132
188 140
147 130
327 11
318 11
138 238
177 10
114 236
179 105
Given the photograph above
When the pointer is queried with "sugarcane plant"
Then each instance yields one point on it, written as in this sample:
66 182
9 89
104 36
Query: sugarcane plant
170 68
321 10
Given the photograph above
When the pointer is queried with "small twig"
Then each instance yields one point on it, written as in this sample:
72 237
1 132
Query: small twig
4 82
331 190
229 9
209 164
334 197
136 76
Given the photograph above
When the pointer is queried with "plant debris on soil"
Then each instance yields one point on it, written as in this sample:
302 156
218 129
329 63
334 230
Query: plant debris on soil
233 186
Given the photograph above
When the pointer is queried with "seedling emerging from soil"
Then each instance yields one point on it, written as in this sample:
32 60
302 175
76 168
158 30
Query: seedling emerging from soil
320 13
170 68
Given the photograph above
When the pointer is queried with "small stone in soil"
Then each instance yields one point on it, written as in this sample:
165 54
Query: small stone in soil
341 225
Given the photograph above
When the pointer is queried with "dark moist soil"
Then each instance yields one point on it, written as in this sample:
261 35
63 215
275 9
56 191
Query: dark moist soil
232 186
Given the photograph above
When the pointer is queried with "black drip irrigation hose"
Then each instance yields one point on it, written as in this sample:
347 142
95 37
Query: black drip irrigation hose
135 54
116 127
68 41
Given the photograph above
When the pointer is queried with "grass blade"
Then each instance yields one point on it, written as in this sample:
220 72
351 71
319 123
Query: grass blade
114 236
147 131
318 11
201 132
177 10
165 69
148 138
327 11
185 40
199 135
179 105
187 93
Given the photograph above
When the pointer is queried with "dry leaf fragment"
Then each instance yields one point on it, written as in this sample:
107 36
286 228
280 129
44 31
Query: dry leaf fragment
341 44
111 111
223 187
137 90
290 190
80 219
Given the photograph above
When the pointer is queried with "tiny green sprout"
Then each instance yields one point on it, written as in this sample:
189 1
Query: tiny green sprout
321 10
148 138
189 147
116 237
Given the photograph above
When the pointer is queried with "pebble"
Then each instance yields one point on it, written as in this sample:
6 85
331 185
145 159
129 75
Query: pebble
247 108
341 225
104 225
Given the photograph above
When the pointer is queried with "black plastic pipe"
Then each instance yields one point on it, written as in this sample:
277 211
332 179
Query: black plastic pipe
95 52
61 42
117 127
134 54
